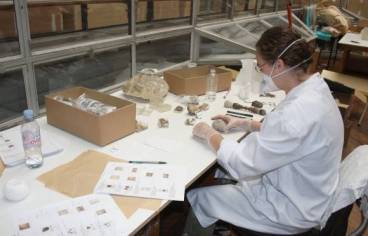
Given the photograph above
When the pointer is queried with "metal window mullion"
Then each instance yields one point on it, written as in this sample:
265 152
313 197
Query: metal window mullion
231 6
266 23
133 45
21 11
247 31
195 41
11 63
144 37
39 57
194 37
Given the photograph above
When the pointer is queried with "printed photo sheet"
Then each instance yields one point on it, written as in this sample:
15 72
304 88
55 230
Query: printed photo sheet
91 215
143 180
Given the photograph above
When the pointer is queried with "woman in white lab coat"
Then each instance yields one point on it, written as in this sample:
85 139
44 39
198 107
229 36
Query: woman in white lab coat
296 151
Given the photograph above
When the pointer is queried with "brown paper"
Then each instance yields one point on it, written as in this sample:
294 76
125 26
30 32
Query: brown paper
79 177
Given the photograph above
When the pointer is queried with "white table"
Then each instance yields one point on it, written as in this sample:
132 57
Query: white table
351 42
196 157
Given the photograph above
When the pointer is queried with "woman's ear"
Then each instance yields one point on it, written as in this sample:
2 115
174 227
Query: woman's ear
279 65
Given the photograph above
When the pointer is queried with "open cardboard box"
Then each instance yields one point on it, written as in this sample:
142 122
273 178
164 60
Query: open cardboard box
193 81
100 130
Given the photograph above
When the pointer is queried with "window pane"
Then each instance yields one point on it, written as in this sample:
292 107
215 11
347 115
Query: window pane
267 6
55 23
210 48
163 53
93 71
244 7
212 10
153 14
13 96
8 31
359 7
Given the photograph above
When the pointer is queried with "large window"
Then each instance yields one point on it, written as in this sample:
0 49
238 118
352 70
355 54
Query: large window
163 53
13 97
94 70
8 31
212 10
65 22
153 14
244 7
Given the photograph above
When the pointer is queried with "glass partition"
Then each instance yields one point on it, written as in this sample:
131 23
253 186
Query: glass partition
163 52
153 14
9 44
55 23
13 96
94 70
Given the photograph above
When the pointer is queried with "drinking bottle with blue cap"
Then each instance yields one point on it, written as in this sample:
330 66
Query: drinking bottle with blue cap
31 137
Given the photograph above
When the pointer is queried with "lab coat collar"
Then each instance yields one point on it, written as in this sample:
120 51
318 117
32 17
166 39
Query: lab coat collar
313 79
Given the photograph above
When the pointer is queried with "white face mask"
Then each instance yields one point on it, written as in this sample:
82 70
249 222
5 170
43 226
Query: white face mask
268 85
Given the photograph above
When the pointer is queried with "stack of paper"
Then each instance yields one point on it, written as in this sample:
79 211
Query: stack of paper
11 146
158 181
87 215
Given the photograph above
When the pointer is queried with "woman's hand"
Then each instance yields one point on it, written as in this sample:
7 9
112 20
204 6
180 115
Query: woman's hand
233 122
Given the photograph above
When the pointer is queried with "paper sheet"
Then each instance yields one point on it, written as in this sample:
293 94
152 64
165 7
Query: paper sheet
11 146
79 177
158 181
163 144
87 215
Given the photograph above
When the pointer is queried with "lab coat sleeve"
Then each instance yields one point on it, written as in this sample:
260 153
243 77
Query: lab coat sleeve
277 144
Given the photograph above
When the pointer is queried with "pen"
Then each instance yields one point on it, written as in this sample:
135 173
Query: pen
240 114
354 41
147 162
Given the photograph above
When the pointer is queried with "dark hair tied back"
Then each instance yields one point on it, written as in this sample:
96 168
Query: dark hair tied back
274 40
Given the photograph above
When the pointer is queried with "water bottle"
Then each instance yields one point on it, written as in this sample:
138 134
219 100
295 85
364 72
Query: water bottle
211 85
31 140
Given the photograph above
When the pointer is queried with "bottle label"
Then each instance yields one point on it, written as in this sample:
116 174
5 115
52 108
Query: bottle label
31 139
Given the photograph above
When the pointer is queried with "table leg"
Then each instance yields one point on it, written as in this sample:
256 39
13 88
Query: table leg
152 228
364 111
344 59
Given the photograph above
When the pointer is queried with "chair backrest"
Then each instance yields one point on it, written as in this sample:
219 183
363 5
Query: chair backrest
353 184
353 178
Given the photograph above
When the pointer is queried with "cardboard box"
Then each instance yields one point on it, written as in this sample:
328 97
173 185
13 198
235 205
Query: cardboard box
100 130
193 81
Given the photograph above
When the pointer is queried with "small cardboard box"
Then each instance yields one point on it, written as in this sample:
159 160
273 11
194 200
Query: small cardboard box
100 130
193 81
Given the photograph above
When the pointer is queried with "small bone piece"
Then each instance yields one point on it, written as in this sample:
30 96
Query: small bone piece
140 126
178 109
190 121
204 107
219 125
163 123
193 109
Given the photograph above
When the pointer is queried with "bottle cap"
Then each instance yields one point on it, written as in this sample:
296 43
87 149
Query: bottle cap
28 114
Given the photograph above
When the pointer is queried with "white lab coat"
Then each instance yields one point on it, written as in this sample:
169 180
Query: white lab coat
296 154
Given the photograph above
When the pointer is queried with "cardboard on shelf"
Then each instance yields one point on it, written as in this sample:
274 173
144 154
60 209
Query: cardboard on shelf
193 81
100 130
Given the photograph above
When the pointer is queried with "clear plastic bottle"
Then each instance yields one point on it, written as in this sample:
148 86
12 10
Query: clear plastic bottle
31 137
211 85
